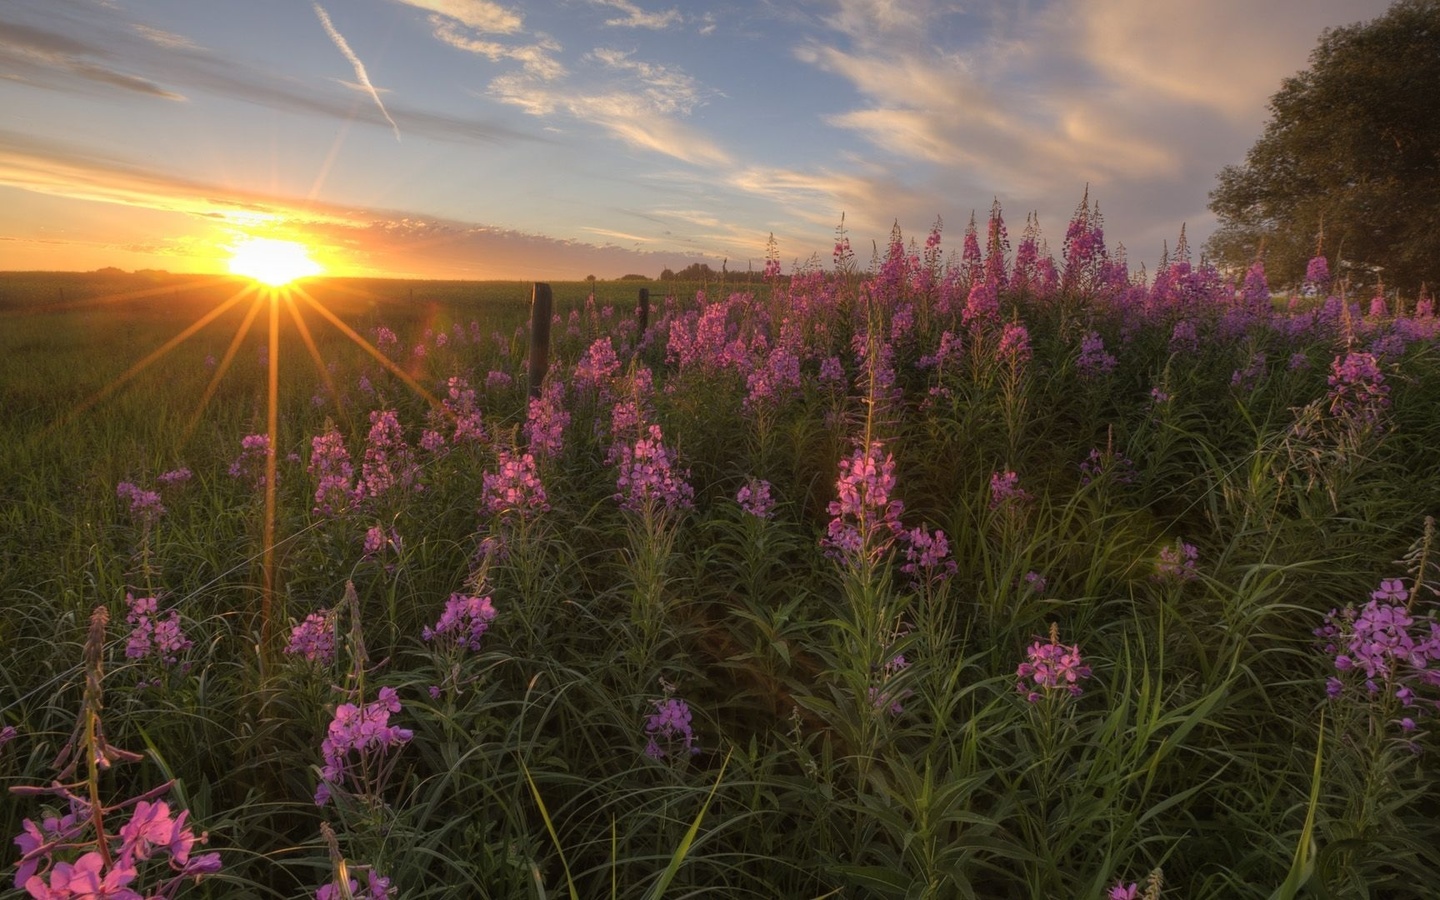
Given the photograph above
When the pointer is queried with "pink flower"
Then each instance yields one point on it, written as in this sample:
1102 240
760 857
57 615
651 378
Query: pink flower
1051 667
464 621
514 489
85 880
251 464
1122 891
314 638
648 475
330 466
1005 490
546 421
864 520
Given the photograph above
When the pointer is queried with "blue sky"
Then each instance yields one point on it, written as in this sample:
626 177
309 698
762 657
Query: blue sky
553 140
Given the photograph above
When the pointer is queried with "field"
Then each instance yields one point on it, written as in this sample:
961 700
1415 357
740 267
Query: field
999 578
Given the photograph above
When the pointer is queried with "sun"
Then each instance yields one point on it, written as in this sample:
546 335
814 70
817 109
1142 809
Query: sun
271 261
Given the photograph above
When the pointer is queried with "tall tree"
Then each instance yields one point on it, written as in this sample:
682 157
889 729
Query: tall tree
1351 153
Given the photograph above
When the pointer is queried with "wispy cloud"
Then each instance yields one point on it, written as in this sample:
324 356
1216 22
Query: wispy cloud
481 15
162 38
638 102
388 242
360 73
78 60
537 59
57 61
635 17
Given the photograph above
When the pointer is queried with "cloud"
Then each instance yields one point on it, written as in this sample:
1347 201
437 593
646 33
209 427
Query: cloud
635 17
161 38
537 59
384 242
47 59
481 15
865 20
78 61
360 73
1126 41
1032 101
639 103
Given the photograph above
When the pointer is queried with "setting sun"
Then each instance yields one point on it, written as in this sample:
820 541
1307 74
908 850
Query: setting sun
271 261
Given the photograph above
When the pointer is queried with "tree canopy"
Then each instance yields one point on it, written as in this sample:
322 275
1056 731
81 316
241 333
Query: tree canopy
1349 161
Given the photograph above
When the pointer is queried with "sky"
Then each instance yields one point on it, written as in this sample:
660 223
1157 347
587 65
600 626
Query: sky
557 139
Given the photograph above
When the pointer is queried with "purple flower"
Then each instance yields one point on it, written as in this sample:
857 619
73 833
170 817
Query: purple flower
251 464
669 729
86 878
649 476
153 636
385 339
927 556
314 638
546 421
378 542
376 888
774 382
514 490
330 466
1384 644
496 381
364 732
1391 589
950 345
864 519
1358 392
145 506
1014 344
174 477
1183 338
1177 562
1005 490
597 367
1093 361
463 623
461 408
389 462
982 306
1051 667
754 498
1107 464
1122 891
1035 582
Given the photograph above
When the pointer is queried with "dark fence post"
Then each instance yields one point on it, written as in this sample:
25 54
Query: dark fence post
539 336
643 314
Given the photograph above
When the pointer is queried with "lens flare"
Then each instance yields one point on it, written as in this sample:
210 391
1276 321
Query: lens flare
273 262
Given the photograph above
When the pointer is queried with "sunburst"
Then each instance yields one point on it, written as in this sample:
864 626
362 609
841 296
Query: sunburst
271 261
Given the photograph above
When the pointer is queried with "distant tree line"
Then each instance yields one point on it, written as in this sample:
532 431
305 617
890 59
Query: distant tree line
703 273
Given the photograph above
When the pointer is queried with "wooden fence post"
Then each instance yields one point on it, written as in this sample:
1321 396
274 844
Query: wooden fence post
643 314
539 336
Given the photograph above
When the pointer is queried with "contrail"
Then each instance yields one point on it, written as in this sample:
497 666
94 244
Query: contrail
355 61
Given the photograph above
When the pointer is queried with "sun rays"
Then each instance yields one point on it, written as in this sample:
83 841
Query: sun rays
261 297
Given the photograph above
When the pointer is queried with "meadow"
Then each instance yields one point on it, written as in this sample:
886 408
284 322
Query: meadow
988 575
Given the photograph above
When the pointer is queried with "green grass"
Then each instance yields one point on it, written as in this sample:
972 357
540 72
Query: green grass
1202 745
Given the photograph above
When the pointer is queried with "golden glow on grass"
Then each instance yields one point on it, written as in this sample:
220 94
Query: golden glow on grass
270 261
